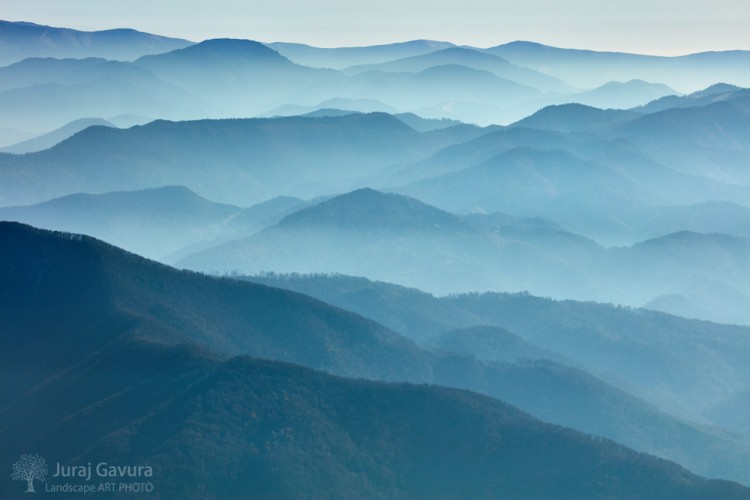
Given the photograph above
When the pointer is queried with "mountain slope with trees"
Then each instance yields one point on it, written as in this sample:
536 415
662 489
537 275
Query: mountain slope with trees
277 429
121 296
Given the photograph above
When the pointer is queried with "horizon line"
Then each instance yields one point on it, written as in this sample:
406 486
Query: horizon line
347 45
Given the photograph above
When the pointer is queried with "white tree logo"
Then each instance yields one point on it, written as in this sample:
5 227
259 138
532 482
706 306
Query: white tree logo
28 468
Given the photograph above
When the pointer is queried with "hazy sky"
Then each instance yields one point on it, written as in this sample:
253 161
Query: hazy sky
646 26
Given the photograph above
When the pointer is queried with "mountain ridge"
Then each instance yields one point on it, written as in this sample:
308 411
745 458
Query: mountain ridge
24 39
291 429
122 296
256 155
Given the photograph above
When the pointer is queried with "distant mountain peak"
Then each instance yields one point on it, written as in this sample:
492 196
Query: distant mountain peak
716 88
523 43
224 48
430 43
694 237
571 106
638 83
574 117
225 43
366 209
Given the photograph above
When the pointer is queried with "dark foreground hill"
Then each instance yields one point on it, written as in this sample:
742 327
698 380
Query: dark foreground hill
108 357
66 299
71 295
245 428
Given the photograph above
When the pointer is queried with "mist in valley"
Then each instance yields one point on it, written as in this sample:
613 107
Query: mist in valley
563 231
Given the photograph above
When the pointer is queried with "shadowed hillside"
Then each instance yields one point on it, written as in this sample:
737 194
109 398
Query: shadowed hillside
285 430
120 296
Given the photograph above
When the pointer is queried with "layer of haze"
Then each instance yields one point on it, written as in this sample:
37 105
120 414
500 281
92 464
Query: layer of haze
668 27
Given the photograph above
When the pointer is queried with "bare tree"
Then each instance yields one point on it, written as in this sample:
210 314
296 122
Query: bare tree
28 468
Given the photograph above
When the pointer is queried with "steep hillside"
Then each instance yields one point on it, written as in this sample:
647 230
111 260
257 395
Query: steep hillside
283 430
119 296
698 364
118 293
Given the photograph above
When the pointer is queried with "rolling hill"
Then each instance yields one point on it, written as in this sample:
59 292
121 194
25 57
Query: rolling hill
485 95
342 57
262 367
713 93
153 222
222 72
589 68
525 181
630 348
470 58
623 95
460 178
121 299
396 238
712 140
46 141
241 162
44 94
21 40
120 293
575 118
285 430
